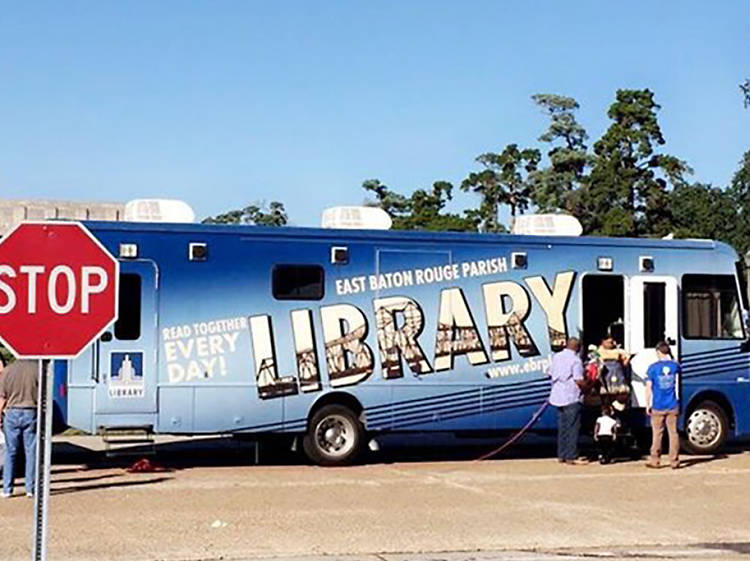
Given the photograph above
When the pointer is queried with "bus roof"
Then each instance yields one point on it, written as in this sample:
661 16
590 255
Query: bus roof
400 235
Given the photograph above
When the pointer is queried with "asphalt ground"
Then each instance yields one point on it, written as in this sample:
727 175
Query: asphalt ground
211 502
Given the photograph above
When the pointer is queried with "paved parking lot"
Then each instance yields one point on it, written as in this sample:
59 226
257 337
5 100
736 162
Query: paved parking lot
213 504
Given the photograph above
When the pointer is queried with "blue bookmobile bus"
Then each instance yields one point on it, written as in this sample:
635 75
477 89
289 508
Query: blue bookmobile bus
336 336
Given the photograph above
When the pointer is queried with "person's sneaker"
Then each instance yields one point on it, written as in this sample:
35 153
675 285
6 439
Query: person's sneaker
30 494
675 465
6 495
577 462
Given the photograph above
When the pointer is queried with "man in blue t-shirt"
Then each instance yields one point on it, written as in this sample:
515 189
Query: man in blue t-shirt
662 403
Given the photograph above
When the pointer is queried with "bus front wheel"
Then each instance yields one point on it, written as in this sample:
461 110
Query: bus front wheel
706 428
334 437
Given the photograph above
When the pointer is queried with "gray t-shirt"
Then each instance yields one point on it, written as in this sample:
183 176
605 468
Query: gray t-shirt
19 384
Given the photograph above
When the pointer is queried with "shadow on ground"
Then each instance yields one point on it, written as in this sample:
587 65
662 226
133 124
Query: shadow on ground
227 452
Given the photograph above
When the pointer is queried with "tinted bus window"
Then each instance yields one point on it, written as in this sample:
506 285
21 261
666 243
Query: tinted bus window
298 282
711 307
128 324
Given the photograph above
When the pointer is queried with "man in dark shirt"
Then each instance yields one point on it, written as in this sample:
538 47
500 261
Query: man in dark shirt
18 398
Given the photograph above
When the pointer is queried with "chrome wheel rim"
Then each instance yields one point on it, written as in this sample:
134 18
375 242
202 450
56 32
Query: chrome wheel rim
335 435
704 428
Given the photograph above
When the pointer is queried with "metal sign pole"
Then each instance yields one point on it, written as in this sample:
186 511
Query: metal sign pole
43 457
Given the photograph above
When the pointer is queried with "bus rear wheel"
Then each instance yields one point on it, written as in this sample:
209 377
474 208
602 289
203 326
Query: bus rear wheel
706 428
334 437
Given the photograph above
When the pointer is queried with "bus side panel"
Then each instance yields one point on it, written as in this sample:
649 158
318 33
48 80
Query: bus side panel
718 371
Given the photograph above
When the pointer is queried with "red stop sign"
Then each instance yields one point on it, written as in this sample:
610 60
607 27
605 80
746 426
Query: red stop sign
58 289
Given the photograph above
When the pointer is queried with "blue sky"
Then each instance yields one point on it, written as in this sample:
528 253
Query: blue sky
226 103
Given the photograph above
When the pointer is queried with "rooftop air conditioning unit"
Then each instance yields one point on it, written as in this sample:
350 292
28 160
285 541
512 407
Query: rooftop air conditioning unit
356 218
158 210
547 225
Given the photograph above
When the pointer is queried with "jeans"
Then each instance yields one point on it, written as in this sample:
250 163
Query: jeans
19 425
658 420
568 428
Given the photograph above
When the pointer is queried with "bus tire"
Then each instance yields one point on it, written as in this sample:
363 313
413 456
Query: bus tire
706 428
335 436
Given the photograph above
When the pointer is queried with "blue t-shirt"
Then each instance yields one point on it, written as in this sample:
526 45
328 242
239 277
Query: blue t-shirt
663 378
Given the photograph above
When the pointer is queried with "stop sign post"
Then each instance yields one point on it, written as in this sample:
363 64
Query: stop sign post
58 293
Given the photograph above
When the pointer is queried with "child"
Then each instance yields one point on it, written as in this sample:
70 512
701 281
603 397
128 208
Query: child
605 434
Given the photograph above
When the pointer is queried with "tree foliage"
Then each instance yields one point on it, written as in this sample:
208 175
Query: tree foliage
6 356
260 215
702 211
422 210
554 186
739 193
626 193
626 185
504 180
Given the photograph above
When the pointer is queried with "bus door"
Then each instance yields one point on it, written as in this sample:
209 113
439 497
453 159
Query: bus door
125 357
653 306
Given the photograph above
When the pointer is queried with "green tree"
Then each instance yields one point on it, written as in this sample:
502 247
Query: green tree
258 214
396 205
554 186
427 207
6 355
503 181
423 210
739 192
626 193
703 211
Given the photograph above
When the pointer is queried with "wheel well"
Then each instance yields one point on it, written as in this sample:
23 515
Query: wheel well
718 398
338 398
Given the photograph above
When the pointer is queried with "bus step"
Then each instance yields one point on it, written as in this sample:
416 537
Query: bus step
128 442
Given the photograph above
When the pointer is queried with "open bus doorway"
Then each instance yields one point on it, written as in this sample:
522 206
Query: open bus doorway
603 309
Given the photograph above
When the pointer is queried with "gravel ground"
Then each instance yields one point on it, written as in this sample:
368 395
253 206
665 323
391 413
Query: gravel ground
212 503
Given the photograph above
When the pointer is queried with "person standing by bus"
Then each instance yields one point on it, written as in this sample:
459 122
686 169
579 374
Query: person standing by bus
2 436
566 372
663 405
18 398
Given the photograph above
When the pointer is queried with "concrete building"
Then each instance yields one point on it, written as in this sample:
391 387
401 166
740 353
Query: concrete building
13 212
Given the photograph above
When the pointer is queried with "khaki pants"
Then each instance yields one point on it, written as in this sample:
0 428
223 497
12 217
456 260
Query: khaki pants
658 420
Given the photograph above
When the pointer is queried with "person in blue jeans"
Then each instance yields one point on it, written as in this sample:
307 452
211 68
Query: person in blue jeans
2 436
18 398
566 395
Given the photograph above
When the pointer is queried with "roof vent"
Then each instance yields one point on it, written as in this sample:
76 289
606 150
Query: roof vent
547 225
158 210
356 218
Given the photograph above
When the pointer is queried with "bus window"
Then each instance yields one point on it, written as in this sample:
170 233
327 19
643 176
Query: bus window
128 324
711 307
654 313
603 308
297 282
